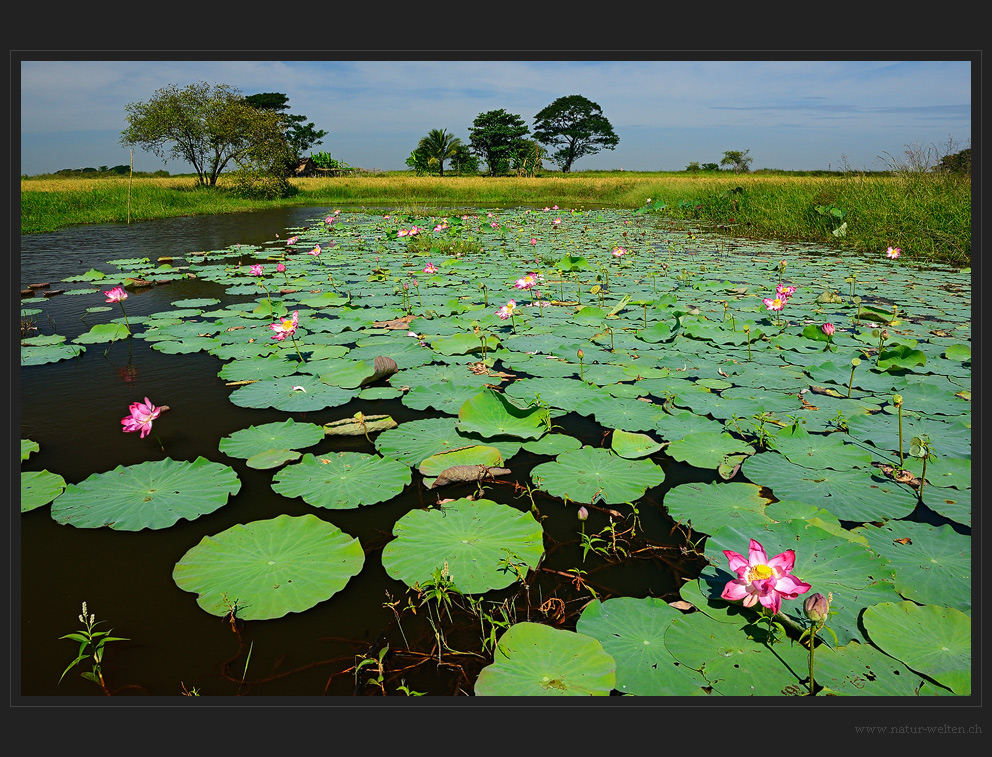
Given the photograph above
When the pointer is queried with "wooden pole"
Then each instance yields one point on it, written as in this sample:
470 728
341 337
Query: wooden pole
130 178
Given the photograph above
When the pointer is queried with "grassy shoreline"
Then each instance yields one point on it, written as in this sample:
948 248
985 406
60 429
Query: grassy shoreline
927 215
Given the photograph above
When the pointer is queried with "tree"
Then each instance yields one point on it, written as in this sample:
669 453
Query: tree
495 137
463 161
528 157
207 126
300 135
436 147
739 160
577 126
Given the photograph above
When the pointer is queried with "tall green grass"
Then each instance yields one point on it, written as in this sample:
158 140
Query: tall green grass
928 215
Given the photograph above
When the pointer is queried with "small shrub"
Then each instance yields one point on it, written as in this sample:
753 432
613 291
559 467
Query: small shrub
250 185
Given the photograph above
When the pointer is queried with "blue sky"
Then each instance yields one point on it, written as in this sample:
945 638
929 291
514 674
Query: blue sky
793 115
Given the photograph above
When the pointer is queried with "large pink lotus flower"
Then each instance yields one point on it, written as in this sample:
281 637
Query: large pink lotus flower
774 304
828 329
762 580
785 292
527 282
116 294
291 241
281 267
893 253
255 270
286 327
141 417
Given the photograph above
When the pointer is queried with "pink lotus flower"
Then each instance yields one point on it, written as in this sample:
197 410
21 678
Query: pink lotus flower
330 219
286 327
116 294
402 233
785 292
556 222
315 251
533 240
430 268
828 329
527 282
141 417
619 252
255 270
281 268
507 310
762 580
893 253
291 241
774 304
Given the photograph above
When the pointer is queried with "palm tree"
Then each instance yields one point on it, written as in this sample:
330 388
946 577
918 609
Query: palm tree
438 146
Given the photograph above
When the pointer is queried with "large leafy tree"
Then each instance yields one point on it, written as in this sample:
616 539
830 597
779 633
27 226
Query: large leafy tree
208 126
436 147
496 137
300 134
738 160
577 127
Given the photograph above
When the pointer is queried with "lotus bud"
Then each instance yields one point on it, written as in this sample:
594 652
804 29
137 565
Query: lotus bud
897 399
828 329
583 514
581 354
817 608
855 361
885 334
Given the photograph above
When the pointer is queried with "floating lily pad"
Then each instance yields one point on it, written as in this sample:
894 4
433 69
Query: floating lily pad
27 448
490 414
293 394
342 480
38 488
414 441
591 475
930 639
536 660
152 495
474 538
712 505
707 450
285 435
270 568
633 446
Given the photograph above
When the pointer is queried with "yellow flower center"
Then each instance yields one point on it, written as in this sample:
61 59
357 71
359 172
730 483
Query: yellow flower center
759 573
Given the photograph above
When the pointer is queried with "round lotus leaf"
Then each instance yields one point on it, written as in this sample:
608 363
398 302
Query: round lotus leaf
855 495
269 568
28 447
414 441
710 506
342 480
476 454
818 451
563 393
707 450
731 655
862 670
257 368
632 631
589 475
950 439
285 435
39 488
444 397
537 660
293 394
625 414
553 444
153 495
103 332
932 564
51 353
474 538
490 414
681 424
930 639
436 373
943 471
632 445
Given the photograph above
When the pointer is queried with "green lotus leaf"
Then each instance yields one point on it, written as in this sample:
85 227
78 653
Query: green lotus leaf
553 444
947 438
103 332
591 475
862 670
624 414
818 451
270 568
477 454
712 505
414 441
49 353
563 393
491 414
257 368
434 374
932 564
293 394
483 543
858 495
632 445
958 352
285 435
536 660
445 397
342 480
707 450
39 488
27 448
899 357
271 458
632 631
153 495
934 641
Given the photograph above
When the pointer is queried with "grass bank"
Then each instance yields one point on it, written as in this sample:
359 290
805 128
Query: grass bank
927 215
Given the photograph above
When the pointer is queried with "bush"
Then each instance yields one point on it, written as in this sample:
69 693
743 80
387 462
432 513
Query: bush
250 185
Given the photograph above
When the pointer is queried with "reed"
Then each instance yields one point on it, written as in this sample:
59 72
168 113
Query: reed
928 215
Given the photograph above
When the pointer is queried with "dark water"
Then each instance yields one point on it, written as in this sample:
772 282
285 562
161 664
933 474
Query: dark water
72 409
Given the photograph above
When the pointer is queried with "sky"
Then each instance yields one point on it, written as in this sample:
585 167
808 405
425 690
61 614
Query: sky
790 114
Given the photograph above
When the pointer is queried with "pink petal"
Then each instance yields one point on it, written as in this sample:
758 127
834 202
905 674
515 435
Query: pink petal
737 561
772 601
757 554
791 587
784 562
735 590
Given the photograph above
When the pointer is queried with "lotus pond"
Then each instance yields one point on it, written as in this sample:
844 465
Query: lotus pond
489 452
